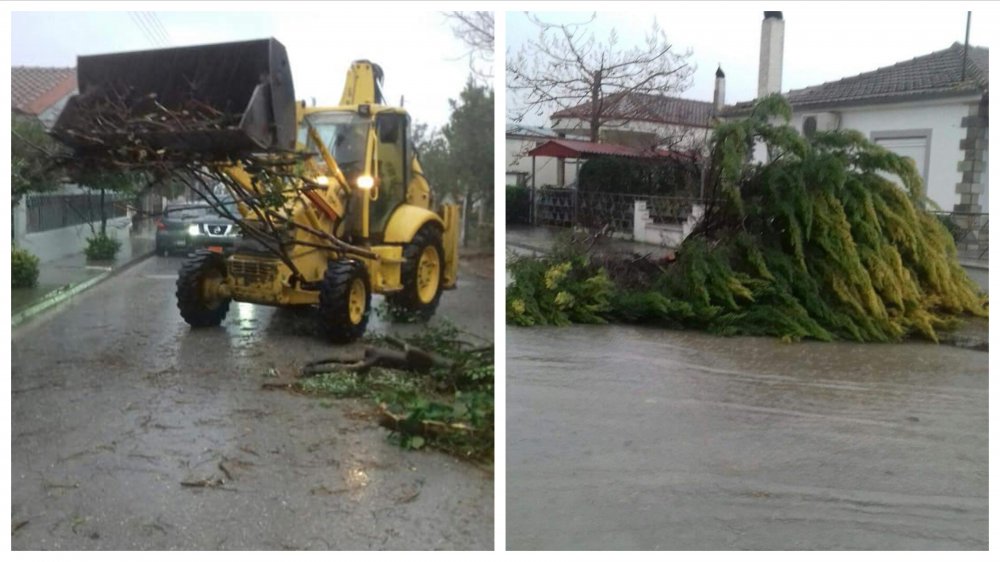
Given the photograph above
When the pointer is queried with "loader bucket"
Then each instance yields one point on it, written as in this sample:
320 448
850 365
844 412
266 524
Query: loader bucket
225 99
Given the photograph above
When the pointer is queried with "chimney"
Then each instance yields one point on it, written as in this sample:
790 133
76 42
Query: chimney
772 41
720 90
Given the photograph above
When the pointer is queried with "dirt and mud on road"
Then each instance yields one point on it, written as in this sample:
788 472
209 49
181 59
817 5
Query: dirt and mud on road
632 438
131 431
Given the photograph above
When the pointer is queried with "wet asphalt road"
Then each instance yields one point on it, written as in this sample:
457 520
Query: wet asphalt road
632 438
115 402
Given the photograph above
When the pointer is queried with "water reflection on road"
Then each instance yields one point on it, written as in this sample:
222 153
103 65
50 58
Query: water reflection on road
632 438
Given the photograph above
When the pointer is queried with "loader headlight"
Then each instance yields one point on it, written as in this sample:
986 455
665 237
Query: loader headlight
322 180
366 182
193 230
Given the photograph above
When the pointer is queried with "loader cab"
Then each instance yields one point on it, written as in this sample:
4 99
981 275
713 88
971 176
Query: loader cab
345 136
349 135
393 170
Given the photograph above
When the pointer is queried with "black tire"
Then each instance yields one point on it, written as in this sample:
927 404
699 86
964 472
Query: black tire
407 303
195 310
339 321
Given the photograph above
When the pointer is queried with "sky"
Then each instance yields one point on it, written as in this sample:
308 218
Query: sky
823 42
416 48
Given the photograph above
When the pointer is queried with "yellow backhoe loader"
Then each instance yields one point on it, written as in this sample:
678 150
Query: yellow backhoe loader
333 205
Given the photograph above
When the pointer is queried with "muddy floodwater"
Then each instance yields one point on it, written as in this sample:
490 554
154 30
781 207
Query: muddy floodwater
132 431
633 438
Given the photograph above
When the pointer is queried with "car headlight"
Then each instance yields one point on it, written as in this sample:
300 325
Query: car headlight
366 182
193 230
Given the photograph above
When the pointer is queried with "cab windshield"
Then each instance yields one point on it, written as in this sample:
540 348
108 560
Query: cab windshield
345 135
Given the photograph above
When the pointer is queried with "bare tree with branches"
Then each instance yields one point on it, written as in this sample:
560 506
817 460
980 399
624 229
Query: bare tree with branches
567 67
475 30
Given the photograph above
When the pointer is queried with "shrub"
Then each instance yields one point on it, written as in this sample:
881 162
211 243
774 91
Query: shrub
23 268
102 247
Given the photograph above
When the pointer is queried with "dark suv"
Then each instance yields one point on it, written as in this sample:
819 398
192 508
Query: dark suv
189 226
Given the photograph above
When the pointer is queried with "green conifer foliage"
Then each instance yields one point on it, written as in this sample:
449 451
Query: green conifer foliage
816 243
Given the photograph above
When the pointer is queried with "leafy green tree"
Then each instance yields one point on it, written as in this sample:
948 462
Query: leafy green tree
104 181
32 152
435 159
469 133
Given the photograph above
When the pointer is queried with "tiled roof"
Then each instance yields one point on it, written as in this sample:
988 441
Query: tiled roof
647 107
575 148
33 89
938 74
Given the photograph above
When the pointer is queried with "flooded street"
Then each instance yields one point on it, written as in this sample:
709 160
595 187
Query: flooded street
132 431
631 438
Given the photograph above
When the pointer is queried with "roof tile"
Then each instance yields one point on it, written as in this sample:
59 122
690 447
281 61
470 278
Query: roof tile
648 107
935 74
33 89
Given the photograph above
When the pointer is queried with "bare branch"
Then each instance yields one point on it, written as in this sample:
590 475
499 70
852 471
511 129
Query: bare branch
566 68
475 30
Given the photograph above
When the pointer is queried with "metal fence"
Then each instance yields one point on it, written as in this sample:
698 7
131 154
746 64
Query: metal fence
49 212
971 232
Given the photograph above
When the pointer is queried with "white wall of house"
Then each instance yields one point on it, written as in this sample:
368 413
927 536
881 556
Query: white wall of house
518 161
50 245
943 120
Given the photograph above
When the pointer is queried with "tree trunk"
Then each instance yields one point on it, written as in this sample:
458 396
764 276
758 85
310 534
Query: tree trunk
595 108
104 217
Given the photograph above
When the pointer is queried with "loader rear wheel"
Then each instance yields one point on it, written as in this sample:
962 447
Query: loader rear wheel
197 290
422 275
345 300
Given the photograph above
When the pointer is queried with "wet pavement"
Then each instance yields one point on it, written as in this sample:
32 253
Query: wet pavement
632 438
116 402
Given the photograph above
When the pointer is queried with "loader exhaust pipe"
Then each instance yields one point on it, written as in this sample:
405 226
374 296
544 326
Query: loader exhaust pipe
224 99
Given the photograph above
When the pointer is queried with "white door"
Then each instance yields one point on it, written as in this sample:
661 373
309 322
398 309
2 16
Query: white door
916 148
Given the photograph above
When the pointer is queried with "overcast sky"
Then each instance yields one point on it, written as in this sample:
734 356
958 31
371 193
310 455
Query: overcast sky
416 49
823 42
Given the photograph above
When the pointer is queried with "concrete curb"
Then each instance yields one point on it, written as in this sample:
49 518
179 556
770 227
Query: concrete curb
522 246
982 266
69 291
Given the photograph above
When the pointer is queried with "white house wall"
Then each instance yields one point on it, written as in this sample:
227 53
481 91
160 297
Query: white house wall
943 119
545 168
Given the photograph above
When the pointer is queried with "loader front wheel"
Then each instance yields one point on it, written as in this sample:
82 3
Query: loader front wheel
198 290
422 275
345 300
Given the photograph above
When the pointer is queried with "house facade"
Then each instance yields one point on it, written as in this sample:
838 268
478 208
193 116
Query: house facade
932 108
643 121
653 122
521 139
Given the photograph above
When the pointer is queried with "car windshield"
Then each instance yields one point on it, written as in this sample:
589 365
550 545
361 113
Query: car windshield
182 212
345 135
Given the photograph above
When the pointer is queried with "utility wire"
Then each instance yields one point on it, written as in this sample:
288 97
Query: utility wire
156 26
150 38
163 28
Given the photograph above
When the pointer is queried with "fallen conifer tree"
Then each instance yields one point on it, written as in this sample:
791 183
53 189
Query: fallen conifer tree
829 239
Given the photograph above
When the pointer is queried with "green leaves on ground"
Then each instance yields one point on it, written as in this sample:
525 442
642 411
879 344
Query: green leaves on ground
450 409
